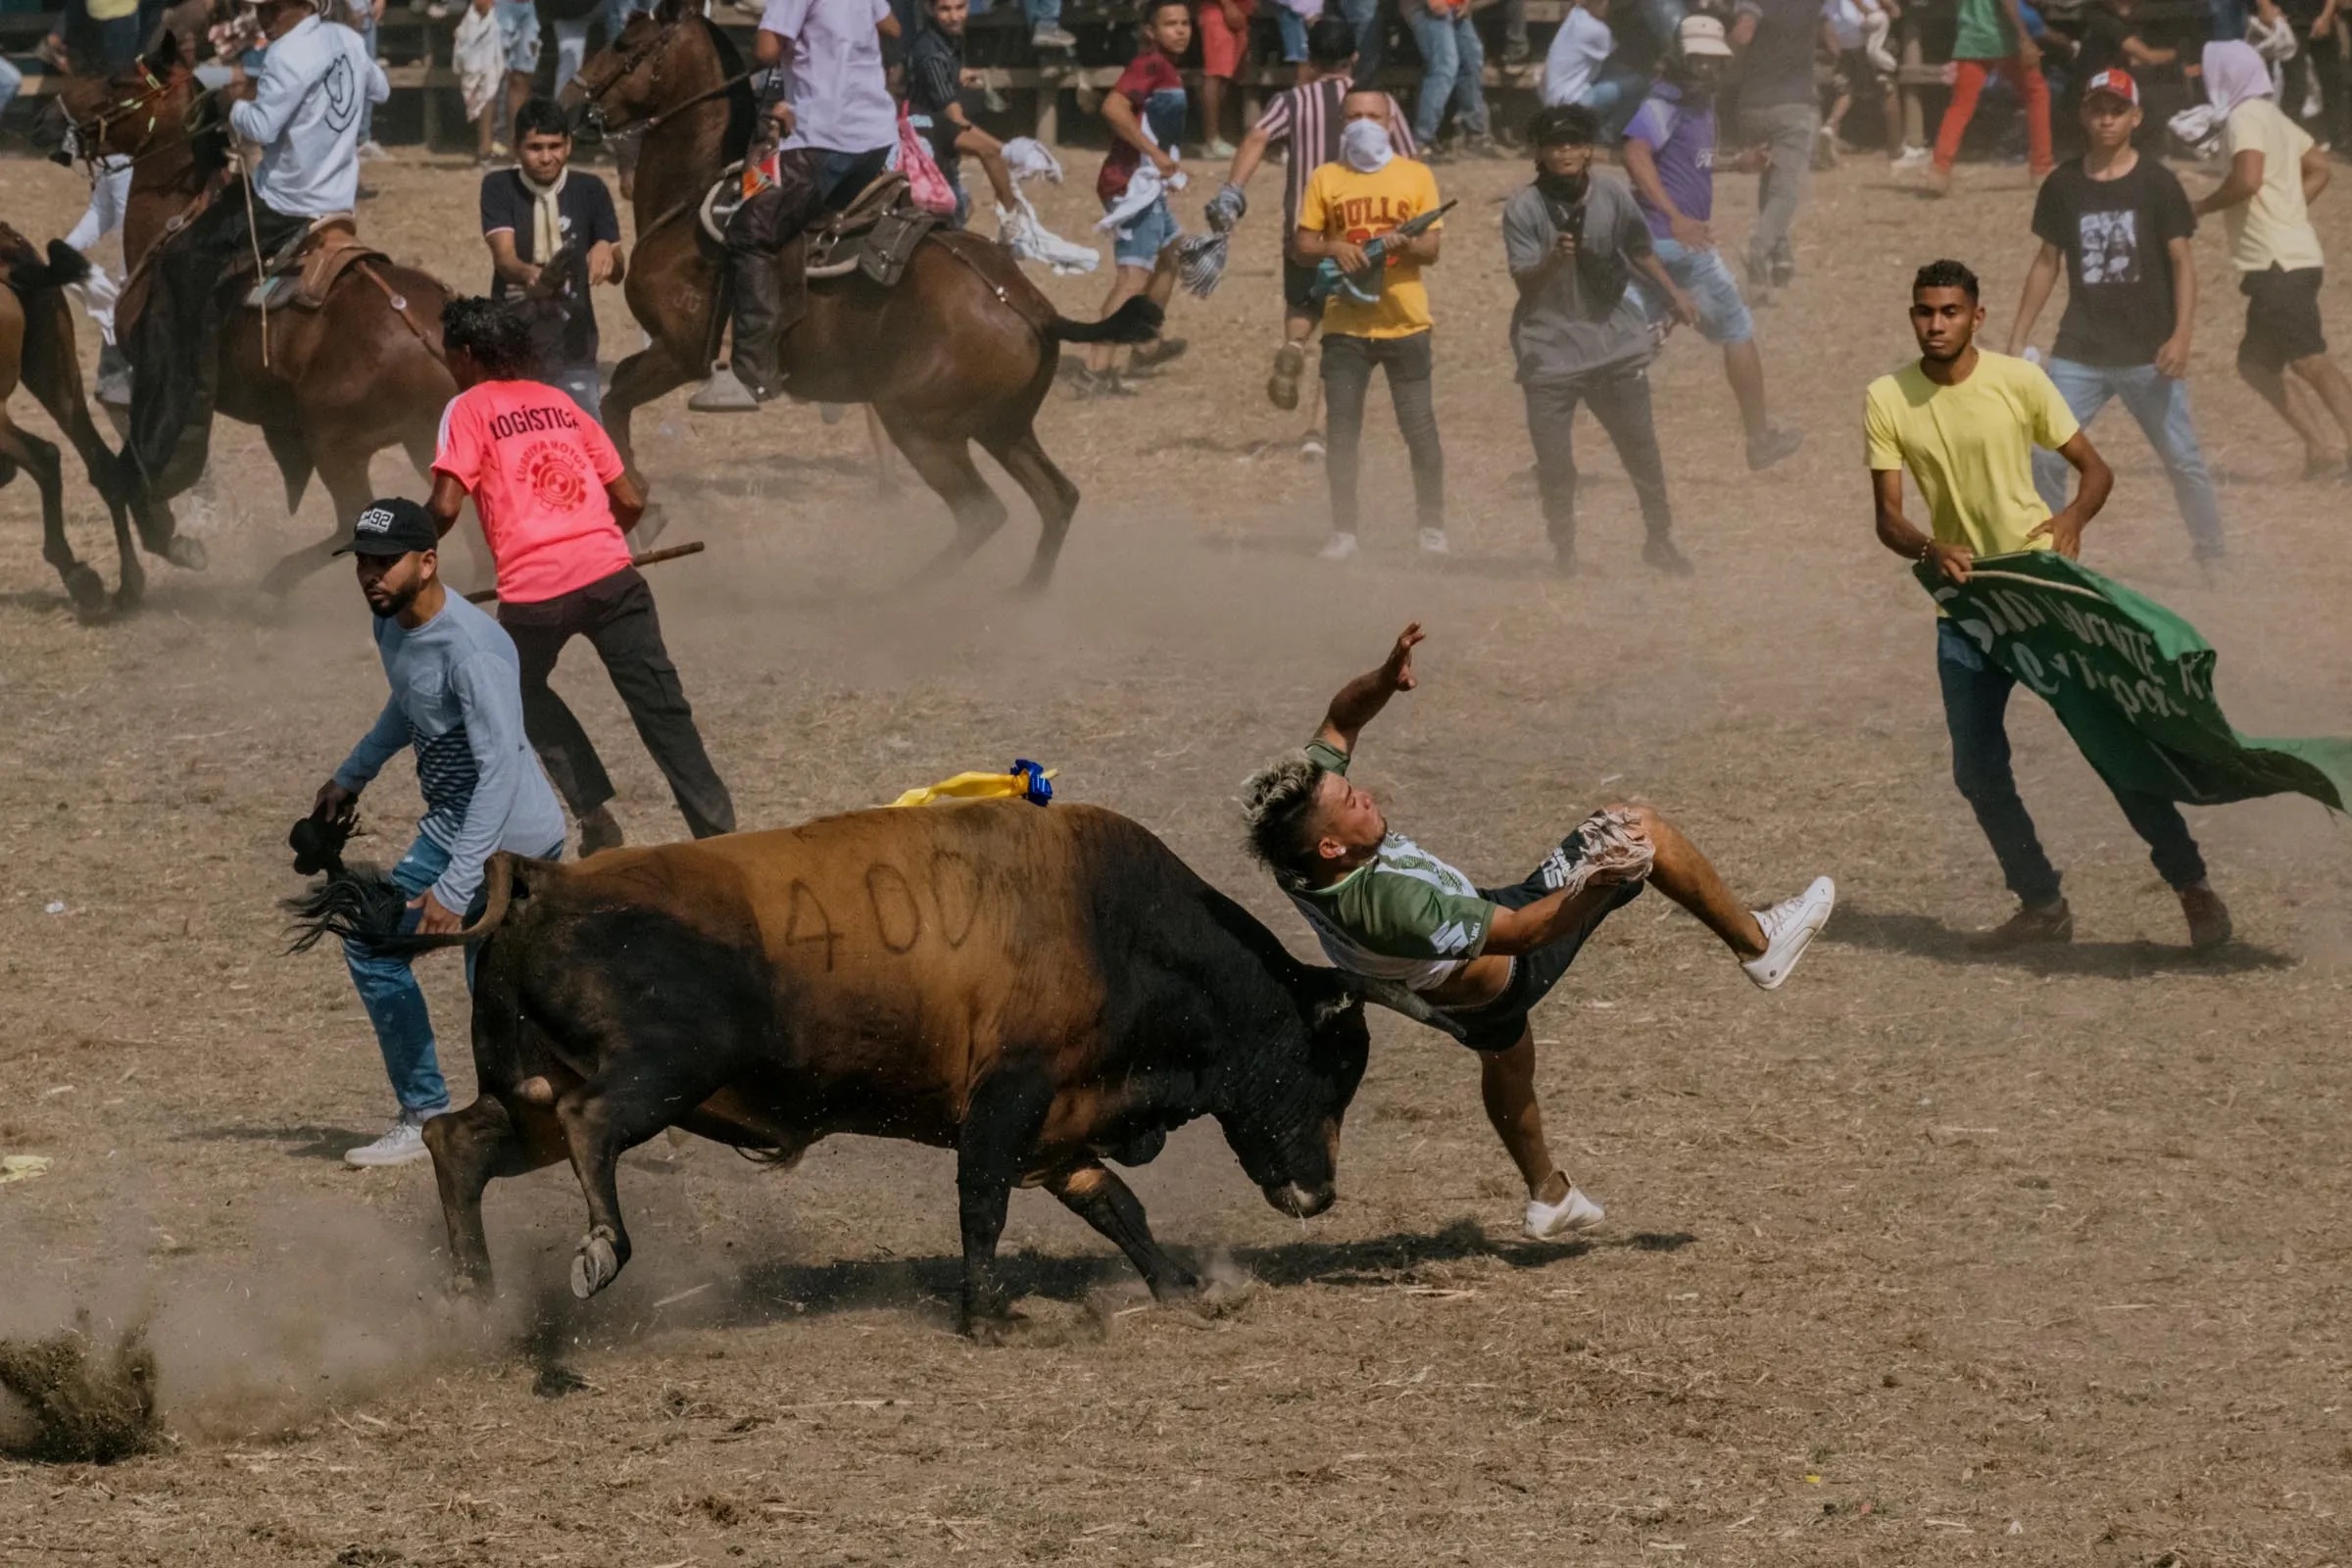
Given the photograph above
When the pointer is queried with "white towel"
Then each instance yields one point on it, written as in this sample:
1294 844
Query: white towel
1019 231
1031 158
480 61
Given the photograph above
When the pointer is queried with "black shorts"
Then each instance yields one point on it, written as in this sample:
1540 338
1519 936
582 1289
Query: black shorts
1497 1025
2283 319
1856 74
1298 278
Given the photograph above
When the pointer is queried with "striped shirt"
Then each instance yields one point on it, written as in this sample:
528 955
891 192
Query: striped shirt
1308 117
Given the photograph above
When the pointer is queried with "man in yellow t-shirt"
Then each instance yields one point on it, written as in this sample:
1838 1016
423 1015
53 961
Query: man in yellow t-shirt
1370 191
1964 423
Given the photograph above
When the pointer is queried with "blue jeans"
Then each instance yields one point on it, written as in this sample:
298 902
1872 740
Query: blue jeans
1723 316
1140 240
1042 13
2229 20
572 48
12 82
2161 406
1453 61
1371 27
395 1003
1292 28
1614 95
1976 703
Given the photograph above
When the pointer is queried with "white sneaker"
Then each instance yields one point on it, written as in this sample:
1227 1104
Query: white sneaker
1913 157
1339 547
1570 1216
1433 542
373 149
1789 929
402 1143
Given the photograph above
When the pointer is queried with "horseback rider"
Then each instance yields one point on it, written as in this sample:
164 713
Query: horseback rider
304 114
829 102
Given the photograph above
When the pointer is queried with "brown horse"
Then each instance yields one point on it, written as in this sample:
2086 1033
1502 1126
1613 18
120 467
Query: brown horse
37 350
961 349
329 388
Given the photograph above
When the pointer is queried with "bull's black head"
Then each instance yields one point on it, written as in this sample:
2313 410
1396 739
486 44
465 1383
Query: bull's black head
1285 1125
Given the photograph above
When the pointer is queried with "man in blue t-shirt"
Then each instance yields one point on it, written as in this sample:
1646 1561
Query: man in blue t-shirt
1670 154
535 211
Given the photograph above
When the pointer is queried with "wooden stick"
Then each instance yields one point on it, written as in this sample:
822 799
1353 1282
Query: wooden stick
693 547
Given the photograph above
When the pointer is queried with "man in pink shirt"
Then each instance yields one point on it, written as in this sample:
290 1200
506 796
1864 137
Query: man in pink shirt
556 506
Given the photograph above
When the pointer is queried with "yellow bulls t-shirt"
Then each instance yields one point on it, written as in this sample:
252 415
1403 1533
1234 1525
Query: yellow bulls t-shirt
1970 447
1342 204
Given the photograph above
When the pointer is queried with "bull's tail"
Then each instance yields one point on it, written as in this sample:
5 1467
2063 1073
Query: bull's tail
29 275
364 905
1136 321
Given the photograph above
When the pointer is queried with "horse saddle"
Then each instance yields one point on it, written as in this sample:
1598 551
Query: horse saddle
306 268
876 233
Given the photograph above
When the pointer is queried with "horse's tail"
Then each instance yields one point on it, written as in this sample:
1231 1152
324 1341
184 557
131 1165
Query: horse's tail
1136 321
364 905
29 274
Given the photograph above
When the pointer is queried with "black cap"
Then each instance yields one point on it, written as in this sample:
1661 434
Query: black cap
391 526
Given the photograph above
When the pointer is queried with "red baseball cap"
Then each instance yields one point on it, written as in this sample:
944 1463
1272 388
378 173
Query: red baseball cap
2116 83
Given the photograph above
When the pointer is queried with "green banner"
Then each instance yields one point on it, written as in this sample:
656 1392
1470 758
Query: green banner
2132 681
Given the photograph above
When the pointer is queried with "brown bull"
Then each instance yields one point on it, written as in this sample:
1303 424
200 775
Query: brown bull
1039 988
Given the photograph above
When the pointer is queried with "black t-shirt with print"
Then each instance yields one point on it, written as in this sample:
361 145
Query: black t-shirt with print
2119 275
583 212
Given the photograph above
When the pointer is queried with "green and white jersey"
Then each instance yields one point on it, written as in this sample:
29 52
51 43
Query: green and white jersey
1405 915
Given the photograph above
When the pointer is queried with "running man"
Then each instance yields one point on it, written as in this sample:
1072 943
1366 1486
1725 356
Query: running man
2119 224
1670 154
457 702
557 507
1383 907
1965 422
1307 119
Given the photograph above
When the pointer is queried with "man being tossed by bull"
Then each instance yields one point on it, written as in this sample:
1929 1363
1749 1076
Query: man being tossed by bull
304 114
1383 907
456 699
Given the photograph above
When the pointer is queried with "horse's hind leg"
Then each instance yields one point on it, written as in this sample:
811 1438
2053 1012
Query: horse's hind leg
38 458
345 473
946 465
1048 489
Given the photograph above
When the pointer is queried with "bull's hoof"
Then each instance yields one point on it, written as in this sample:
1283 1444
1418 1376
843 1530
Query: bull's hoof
185 552
85 588
595 1265
469 1285
1223 1298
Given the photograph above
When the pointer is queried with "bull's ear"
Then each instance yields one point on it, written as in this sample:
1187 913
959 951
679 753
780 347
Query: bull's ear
669 10
164 56
1397 997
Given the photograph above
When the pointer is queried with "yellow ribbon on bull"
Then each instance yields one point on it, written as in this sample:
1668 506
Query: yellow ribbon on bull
1027 781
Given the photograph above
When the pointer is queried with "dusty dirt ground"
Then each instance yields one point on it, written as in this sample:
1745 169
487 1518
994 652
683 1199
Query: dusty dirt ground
1922 1259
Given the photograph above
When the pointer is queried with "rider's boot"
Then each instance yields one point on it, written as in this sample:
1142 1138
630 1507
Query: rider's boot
752 286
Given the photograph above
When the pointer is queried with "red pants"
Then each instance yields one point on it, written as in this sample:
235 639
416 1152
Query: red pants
1968 81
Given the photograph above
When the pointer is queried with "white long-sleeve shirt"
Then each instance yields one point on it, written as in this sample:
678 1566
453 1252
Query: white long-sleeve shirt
305 117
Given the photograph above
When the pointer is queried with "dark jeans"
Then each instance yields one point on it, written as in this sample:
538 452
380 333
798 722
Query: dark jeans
809 183
1976 699
174 345
1619 398
615 614
1346 376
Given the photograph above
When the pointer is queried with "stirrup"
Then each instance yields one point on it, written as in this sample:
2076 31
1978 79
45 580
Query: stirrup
723 393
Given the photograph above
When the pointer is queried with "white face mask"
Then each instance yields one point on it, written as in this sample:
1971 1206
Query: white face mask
1364 146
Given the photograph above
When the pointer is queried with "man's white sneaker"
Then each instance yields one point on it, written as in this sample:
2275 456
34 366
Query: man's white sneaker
402 1141
1433 542
1789 929
1570 1216
1339 547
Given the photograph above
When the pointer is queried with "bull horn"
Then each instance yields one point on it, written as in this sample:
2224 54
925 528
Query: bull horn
1397 997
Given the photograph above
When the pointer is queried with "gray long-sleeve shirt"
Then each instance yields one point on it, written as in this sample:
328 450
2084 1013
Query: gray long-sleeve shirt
457 697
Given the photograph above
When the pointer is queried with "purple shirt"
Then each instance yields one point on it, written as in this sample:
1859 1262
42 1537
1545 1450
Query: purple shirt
1682 139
